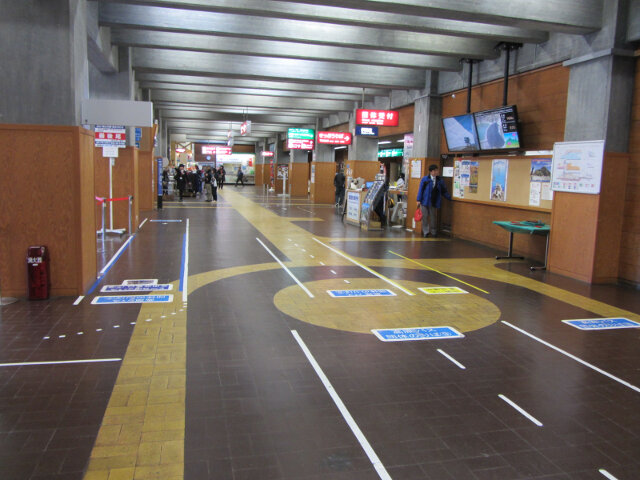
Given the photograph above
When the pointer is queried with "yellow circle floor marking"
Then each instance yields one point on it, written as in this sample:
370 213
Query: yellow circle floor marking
462 312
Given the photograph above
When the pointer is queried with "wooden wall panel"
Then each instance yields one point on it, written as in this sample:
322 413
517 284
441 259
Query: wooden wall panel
298 179
412 189
405 122
572 218
475 222
89 259
56 212
366 169
322 190
630 241
259 177
146 180
541 97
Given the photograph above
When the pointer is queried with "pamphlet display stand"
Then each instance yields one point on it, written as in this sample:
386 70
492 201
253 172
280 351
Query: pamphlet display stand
373 196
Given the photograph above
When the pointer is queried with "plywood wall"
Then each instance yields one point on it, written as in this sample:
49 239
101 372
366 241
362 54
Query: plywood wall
322 189
630 241
298 179
146 180
541 98
46 193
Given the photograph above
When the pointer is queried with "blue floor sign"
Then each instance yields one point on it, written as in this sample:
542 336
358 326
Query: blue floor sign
417 333
361 293
602 323
132 299
136 288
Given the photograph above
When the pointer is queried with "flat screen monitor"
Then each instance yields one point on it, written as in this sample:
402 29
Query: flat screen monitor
460 132
498 128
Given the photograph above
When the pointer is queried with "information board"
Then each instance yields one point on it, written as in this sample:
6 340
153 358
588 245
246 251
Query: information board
353 206
117 299
136 288
370 201
602 323
577 166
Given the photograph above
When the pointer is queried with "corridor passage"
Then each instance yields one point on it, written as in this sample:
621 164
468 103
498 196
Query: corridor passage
256 359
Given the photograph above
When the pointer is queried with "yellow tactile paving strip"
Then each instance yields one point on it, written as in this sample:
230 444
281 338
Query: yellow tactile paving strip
142 434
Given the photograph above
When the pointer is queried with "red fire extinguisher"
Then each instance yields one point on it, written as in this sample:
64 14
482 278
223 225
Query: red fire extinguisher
38 273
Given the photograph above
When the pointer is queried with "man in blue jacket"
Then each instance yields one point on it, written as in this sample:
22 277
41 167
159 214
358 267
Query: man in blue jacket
430 193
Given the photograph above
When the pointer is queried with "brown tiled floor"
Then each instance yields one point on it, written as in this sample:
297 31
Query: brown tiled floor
246 403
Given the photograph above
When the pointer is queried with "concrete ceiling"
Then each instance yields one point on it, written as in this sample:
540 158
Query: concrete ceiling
209 64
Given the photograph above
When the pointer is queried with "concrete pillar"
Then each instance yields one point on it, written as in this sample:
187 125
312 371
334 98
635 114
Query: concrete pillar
39 87
598 108
426 120
362 159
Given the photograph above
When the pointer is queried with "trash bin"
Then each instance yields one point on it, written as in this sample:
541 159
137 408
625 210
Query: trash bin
38 273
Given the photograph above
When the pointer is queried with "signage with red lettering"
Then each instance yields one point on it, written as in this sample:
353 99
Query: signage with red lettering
216 150
299 144
334 138
245 128
267 153
110 136
383 118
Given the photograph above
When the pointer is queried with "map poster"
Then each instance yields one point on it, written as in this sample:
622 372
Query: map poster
499 169
577 166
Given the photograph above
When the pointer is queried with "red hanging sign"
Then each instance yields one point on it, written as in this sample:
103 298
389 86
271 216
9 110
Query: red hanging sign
334 138
382 118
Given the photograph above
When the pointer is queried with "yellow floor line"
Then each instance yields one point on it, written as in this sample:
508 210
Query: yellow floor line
438 271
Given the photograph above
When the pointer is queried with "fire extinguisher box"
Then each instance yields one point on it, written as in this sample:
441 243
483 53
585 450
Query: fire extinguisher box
38 273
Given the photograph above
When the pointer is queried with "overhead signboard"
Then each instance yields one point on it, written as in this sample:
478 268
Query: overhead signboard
216 150
418 333
334 138
367 131
110 136
390 152
301 134
117 112
300 144
383 118
245 128
266 153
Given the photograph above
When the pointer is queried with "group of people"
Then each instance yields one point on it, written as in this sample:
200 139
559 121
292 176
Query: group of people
210 180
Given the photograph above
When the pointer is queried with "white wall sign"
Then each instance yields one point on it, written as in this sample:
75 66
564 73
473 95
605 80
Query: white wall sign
110 152
577 166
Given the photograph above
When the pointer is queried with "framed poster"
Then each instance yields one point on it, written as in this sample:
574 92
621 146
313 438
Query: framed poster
499 169
577 166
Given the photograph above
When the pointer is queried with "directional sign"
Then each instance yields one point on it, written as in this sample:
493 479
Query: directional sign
387 118
442 290
136 288
361 293
367 131
132 299
602 323
417 333
140 281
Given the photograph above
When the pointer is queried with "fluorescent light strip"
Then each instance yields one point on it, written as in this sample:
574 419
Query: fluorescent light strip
380 276
573 357
62 362
522 411
366 446
286 269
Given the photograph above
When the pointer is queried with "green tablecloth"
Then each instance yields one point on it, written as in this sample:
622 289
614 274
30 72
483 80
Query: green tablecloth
524 227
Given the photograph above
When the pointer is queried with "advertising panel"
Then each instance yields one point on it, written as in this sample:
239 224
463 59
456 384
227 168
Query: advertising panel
300 144
301 134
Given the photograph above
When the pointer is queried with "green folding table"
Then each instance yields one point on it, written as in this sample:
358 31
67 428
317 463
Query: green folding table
531 228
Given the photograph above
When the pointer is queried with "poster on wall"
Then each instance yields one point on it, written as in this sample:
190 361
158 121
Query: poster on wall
577 166
458 189
499 169
473 177
540 177
313 173
416 169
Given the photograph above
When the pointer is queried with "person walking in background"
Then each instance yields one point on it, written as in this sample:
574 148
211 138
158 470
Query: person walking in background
338 183
181 180
430 193
207 184
240 177
222 176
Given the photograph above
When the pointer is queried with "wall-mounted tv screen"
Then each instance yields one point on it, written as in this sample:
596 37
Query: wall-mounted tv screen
498 128
460 132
